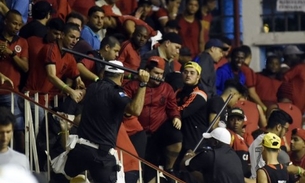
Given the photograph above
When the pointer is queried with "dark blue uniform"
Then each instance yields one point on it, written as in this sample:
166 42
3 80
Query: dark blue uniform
104 106
217 165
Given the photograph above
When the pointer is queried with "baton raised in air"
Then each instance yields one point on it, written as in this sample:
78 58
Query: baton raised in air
214 120
106 63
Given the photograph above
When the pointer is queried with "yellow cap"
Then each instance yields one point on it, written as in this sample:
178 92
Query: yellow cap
271 141
194 65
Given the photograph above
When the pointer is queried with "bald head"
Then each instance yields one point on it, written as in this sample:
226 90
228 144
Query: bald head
140 36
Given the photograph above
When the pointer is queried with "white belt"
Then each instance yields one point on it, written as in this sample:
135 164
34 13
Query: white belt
93 145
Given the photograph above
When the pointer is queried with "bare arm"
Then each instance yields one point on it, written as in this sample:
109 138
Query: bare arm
261 176
136 105
4 79
130 27
211 117
3 8
292 169
51 72
85 73
262 117
255 98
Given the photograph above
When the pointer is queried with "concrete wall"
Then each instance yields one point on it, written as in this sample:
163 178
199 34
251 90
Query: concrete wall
255 38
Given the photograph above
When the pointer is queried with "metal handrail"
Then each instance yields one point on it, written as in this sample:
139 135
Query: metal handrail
8 89
151 165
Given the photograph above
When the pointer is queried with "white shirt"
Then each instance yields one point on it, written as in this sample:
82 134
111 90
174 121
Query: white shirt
255 152
11 157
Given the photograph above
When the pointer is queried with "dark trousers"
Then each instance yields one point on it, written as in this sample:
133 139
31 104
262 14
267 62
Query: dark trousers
166 135
102 166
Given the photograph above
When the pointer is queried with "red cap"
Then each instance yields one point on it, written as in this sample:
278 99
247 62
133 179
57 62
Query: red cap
301 133
108 11
160 61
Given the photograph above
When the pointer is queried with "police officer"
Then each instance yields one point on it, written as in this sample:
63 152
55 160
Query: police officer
103 109
219 160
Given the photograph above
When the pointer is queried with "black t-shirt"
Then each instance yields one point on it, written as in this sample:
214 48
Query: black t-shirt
215 104
33 28
219 165
102 114
276 173
192 107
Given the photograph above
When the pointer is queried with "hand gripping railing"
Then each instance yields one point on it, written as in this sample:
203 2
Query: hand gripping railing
31 144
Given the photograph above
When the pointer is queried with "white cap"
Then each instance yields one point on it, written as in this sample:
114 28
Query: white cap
219 133
112 69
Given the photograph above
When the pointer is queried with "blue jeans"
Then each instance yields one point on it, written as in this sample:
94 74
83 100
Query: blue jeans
5 100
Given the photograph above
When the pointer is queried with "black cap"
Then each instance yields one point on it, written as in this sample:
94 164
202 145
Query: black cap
173 24
215 43
236 112
172 37
41 9
141 2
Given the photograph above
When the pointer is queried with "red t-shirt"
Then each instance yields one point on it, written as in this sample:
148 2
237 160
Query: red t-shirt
296 77
51 54
81 6
129 56
266 89
126 7
62 8
122 19
161 13
250 76
190 34
206 26
222 62
35 45
132 125
8 67
130 163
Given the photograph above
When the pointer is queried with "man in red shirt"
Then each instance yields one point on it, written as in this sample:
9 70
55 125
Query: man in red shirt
160 118
56 65
267 82
13 63
296 77
236 121
250 76
191 31
92 71
129 54
298 147
55 27
208 6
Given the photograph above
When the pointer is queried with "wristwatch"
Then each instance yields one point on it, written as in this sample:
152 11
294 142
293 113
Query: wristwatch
142 84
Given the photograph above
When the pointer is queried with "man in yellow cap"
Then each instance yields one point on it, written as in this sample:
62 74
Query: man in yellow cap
191 104
273 171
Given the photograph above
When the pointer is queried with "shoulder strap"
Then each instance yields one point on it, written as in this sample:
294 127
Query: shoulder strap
267 174
201 93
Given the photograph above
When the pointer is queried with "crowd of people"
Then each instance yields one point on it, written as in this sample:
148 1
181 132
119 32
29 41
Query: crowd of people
189 86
